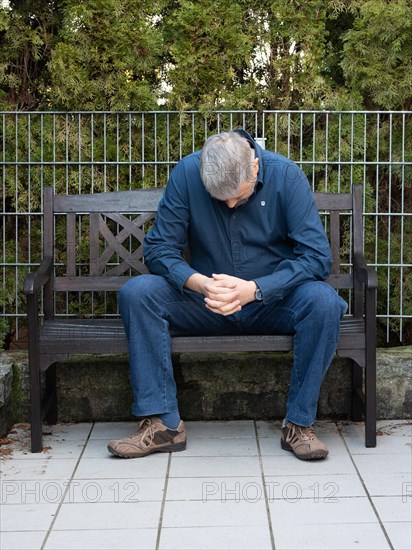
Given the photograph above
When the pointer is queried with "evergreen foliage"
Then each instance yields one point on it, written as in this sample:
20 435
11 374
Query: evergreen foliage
267 54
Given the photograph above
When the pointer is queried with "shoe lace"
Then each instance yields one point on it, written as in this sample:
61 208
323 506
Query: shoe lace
145 432
302 433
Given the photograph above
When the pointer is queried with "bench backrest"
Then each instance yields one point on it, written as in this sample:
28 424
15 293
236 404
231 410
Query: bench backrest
104 234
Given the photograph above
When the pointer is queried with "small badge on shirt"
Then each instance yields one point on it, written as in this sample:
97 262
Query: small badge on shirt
262 203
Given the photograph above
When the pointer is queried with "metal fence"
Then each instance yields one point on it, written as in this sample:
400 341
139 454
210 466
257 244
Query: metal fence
78 152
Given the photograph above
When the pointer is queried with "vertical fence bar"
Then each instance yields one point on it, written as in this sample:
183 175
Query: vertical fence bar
45 173
180 137
352 137
129 118
364 173
54 185
352 145
289 130
300 140
326 151
67 179
402 227
143 146
264 129
117 151
313 150
28 191
67 152
339 149
16 225
54 152
364 157
193 133
105 152
205 128
377 190
92 152
389 256
168 145
155 150
105 172
257 124
4 259
41 161
79 153
77 266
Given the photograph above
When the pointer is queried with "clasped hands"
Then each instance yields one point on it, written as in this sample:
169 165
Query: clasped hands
224 294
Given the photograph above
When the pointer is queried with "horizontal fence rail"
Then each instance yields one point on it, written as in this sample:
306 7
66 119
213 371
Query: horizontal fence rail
86 152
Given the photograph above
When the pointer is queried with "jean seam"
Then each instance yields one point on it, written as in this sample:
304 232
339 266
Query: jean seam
164 368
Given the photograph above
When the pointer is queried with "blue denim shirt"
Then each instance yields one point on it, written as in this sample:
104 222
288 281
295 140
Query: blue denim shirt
276 238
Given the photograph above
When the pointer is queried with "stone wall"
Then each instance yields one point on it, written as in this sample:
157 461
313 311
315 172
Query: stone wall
210 386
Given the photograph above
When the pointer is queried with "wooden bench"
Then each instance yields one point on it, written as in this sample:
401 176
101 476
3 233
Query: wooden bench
108 221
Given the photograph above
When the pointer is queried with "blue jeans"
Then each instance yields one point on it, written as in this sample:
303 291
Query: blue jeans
150 308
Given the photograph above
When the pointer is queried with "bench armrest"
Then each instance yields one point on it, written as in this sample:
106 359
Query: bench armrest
363 273
33 281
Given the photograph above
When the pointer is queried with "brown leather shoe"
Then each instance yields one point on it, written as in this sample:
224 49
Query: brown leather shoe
303 442
152 437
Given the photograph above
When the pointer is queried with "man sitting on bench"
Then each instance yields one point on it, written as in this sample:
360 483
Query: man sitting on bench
259 257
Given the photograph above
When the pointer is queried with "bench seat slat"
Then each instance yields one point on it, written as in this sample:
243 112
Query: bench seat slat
107 336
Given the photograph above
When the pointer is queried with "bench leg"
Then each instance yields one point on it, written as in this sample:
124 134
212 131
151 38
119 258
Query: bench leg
357 390
370 398
36 413
370 369
51 395
36 417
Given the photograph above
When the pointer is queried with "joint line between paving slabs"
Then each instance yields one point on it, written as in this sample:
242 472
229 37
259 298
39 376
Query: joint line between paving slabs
366 491
159 529
67 489
272 538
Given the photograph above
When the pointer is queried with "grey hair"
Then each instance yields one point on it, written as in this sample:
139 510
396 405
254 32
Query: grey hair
226 161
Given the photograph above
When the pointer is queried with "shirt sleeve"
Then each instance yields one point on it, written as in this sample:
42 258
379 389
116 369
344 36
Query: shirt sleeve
165 244
312 259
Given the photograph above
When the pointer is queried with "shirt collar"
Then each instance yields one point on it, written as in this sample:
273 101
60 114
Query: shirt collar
258 153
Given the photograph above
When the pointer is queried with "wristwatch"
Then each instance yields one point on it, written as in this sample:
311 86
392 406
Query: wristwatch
258 294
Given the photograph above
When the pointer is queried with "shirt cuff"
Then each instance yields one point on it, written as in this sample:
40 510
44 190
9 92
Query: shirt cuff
180 274
270 292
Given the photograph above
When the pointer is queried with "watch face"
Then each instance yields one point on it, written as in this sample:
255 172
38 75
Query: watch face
258 295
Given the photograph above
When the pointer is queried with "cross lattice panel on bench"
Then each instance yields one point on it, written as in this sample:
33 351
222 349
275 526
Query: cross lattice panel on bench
102 250
114 236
